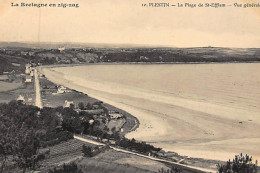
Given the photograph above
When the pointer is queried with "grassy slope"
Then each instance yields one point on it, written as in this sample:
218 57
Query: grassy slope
6 63
108 161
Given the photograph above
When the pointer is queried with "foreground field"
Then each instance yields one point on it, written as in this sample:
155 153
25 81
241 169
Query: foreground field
12 90
108 161
116 162
7 86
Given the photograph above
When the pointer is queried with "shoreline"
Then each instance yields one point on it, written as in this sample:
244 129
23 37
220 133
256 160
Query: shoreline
108 105
70 82
138 123
145 63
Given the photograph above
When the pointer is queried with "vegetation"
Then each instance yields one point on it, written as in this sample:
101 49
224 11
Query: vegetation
67 168
174 169
240 164
24 129
98 55
132 144
81 106
79 123
87 151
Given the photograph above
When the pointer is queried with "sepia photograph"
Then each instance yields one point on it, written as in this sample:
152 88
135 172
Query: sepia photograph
133 86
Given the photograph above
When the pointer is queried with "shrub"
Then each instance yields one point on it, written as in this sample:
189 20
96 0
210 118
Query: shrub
67 168
87 151
174 169
240 164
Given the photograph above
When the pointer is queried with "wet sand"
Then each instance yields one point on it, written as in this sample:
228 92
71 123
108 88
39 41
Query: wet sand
195 127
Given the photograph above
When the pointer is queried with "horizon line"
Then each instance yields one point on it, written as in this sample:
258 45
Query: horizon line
136 45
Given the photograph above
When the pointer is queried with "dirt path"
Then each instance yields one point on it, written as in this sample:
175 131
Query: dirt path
38 101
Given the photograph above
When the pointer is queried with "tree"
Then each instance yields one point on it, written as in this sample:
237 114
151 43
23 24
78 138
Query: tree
99 133
5 149
240 164
89 106
81 106
116 136
87 151
22 133
72 106
25 152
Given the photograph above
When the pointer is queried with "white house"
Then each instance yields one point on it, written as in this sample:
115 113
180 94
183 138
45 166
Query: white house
28 79
27 68
91 122
62 89
61 49
115 115
30 99
67 103
20 98
27 71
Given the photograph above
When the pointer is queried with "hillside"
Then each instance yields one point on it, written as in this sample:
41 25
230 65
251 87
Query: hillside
14 58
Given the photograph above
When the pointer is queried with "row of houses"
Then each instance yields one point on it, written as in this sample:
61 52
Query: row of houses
29 73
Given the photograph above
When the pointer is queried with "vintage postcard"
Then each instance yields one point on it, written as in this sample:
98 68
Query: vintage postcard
129 86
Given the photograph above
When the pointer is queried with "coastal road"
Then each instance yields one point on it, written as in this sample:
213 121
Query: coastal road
38 100
88 140
145 156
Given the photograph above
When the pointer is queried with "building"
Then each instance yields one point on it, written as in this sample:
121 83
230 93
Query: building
95 106
27 68
62 89
61 49
28 79
20 98
115 115
68 103
91 122
31 53
31 74
30 100
23 53
27 71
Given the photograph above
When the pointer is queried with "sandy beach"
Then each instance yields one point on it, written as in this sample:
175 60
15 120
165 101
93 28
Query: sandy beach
195 125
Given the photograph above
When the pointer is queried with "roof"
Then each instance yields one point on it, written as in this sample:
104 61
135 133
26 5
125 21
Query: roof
20 97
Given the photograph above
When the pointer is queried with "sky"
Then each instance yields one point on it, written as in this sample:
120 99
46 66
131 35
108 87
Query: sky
127 22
